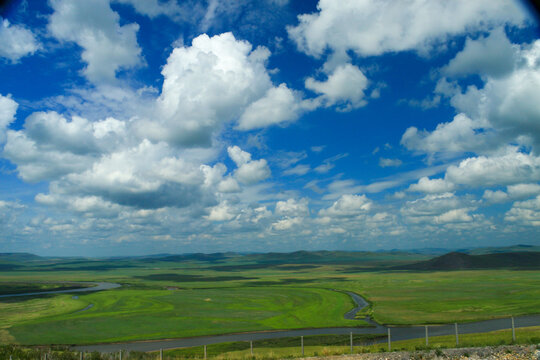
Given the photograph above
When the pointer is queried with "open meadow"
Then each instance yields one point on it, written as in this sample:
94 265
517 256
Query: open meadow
185 296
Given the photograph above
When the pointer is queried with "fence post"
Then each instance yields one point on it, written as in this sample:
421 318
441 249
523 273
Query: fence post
389 341
251 347
205 351
160 354
351 343
513 331
457 336
81 355
120 354
427 336
302 344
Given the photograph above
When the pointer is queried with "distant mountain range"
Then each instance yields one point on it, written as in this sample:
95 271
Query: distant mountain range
517 256
462 261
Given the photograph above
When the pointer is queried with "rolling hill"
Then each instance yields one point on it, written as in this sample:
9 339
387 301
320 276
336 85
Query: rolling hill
462 261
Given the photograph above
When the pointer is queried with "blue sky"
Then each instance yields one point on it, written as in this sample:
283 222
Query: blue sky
144 126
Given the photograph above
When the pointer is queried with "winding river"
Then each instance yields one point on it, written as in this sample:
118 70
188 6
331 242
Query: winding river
99 286
398 333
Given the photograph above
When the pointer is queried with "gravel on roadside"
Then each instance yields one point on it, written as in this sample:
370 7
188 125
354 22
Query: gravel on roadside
509 352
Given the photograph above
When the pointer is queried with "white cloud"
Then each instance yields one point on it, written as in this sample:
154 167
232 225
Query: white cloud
292 208
512 167
228 185
504 111
385 162
8 108
328 164
513 192
16 41
492 55
344 87
107 46
300 169
438 209
279 105
249 171
154 8
206 85
453 216
431 186
347 206
49 146
375 27
495 197
453 137
525 212
286 224
221 212
520 191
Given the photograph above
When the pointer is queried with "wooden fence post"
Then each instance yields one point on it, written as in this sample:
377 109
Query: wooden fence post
205 351
427 336
457 336
251 347
160 354
120 354
513 331
389 341
302 344
351 344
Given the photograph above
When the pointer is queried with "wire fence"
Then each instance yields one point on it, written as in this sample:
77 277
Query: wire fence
382 338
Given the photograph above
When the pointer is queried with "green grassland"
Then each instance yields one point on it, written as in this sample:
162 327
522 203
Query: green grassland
182 296
124 315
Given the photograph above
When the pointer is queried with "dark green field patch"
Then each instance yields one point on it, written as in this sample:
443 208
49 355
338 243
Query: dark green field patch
191 278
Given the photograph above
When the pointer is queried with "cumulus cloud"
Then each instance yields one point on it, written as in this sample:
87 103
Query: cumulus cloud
458 136
344 87
248 171
206 85
513 192
437 208
144 176
279 105
525 212
16 41
221 212
453 216
503 111
286 224
8 108
492 56
376 27
347 206
292 207
50 146
107 46
431 186
495 197
512 167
